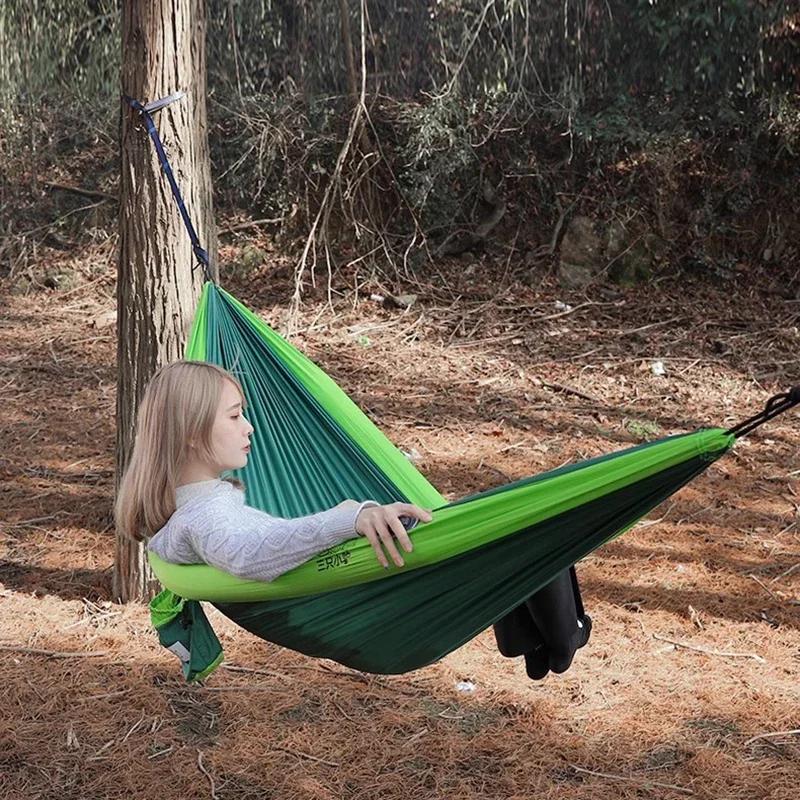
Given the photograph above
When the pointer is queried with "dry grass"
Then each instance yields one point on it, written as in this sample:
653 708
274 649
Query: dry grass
463 380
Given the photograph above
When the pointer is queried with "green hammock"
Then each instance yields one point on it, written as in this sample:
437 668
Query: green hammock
476 561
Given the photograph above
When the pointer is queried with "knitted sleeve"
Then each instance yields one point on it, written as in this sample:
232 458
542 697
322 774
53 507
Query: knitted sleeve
248 543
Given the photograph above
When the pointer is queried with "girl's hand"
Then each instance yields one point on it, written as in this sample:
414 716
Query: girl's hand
382 524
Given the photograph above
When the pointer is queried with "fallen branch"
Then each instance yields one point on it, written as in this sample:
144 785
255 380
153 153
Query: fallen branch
708 652
134 727
647 327
160 753
569 311
83 192
369 679
787 573
236 668
50 653
91 618
763 586
343 712
97 756
646 782
415 738
566 390
489 340
106 695
243 226
307 755
27 522
795 732
214 795
248 688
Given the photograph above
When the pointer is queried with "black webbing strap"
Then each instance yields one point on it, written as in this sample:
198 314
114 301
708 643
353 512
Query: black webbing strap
776 405
146 112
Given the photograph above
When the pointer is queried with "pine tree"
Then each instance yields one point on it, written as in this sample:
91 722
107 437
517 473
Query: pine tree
159 282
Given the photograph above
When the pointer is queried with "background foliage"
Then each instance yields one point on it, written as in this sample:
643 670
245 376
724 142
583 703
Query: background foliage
682 113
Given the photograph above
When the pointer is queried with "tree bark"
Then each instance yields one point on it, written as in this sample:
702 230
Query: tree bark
158 283
347 46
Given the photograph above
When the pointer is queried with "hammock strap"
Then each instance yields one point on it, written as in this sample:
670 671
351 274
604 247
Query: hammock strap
776 405
146 111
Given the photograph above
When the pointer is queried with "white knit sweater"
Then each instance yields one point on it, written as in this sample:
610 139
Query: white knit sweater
212 525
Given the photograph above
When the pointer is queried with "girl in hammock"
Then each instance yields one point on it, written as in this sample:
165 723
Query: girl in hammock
191 429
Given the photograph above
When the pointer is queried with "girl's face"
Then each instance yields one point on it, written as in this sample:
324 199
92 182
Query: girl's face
230 434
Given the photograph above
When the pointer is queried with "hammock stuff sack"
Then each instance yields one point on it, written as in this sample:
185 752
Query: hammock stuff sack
479 558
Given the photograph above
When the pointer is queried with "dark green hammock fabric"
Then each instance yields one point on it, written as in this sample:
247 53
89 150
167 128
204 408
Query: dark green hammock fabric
478 559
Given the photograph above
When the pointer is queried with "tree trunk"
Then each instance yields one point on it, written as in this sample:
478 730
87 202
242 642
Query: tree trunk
158 284
347 45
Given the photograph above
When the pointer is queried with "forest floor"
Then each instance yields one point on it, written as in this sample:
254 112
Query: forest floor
689 685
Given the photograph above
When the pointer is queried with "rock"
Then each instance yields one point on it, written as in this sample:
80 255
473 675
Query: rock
630 254
581 245
573 276
104 320
412 454
405 300
581 254
63 279
457 243
56 241
21 286
252 257
617 239
632 268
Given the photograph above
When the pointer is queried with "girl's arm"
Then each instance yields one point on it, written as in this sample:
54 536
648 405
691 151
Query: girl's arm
248 543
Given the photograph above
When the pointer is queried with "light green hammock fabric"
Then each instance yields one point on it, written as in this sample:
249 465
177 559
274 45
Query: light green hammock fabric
479 558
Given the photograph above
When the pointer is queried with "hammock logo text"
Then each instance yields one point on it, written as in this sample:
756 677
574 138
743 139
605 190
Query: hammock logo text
337 556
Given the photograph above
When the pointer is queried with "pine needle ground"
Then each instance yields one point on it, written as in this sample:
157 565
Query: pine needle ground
689 686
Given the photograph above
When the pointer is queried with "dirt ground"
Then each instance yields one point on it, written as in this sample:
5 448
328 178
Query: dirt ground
688 687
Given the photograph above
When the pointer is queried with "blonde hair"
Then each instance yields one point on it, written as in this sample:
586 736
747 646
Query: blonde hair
176 414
